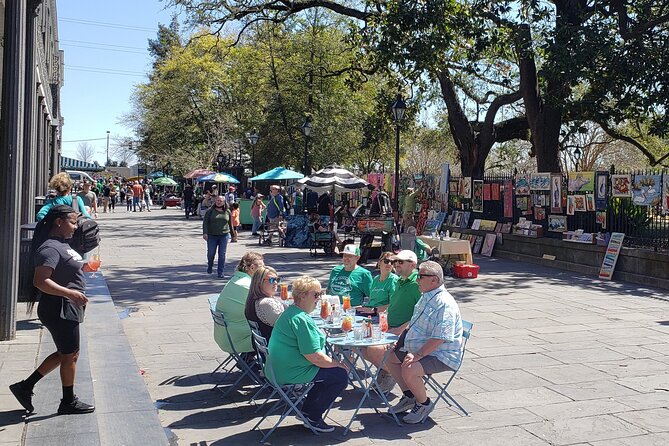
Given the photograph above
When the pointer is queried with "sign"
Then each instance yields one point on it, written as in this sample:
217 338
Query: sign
611 255
508 199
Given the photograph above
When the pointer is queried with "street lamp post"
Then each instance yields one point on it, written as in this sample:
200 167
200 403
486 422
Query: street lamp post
107 164
253 140
577 155
399 108
306 129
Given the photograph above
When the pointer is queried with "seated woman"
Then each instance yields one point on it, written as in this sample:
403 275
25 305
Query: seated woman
297 354
261 305
383 286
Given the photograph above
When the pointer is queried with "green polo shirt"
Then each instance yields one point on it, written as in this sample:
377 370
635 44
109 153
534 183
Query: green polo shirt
356 283
403 300
232 302
381 291
295 334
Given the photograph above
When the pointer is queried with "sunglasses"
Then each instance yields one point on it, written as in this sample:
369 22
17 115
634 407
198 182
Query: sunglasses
318 294
274 280
420 276
388 261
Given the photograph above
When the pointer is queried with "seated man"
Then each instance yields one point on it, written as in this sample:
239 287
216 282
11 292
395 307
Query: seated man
349 279
431 344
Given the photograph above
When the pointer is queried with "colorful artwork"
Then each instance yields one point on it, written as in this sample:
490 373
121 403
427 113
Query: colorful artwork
477 198
477 245
579 203
556 194
466 187
557 223
621 186
540 181
494 191
508 199
590 202
600 218
601 183
539 213
488 244
523 203
581 182
522 185
570 205
665 192
486 192
646 190
454 187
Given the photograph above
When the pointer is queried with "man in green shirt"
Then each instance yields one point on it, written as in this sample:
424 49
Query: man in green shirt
350 279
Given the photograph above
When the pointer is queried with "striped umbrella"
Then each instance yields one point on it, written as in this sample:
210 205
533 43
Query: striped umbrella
333 178
220 177
198 173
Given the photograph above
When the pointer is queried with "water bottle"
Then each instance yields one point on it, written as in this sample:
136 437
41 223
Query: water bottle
441 235
448 234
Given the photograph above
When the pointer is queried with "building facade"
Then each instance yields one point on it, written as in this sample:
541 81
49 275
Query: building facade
31 70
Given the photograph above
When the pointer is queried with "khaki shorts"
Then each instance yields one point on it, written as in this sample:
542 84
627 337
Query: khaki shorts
430 364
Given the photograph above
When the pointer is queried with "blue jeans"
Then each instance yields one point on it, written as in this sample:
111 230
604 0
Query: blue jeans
219 242
329 384
188 207
257 223
135 203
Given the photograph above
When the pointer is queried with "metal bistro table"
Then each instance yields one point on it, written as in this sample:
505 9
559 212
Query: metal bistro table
356 347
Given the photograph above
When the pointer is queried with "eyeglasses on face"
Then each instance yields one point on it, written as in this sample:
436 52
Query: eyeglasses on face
388 261
317 294
274 280
399 262
420 276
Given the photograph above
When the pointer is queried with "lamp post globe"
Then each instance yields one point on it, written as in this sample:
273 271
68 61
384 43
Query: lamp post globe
398 108
577 154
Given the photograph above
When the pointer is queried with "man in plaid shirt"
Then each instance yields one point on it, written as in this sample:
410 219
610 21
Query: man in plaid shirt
432 343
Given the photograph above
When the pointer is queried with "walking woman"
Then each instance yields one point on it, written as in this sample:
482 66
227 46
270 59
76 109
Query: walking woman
61 284
217 230
256 213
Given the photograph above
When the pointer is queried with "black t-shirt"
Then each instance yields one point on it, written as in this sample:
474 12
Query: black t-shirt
188 194
106 191
67 272
324 205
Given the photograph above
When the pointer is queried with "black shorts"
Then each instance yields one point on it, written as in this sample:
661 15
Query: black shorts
65 333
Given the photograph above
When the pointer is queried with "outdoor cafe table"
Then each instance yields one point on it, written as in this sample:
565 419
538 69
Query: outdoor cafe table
356 346
449 247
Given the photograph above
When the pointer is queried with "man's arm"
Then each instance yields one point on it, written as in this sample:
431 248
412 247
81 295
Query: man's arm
427 348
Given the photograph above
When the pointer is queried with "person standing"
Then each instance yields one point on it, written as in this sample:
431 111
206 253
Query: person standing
217 230
106 190
60 281
275 210
147 197
129 194
89 198
188 200
137 196
231 196
112 196
257 208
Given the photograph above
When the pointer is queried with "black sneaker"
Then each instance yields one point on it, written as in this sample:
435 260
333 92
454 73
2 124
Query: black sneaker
320 425
75 407
24 396
210 270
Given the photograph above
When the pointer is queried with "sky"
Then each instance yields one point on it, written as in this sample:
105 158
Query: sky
105 45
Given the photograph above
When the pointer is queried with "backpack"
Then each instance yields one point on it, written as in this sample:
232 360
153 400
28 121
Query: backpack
87 235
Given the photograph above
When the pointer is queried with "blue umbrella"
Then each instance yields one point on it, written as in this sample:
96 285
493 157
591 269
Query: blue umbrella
278 173
220 177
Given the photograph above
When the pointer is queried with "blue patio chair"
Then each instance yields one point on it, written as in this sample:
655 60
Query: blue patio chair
442 393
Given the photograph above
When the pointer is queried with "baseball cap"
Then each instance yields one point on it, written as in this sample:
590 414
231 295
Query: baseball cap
406 255
351 249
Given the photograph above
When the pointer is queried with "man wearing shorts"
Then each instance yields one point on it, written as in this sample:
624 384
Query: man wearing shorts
432 343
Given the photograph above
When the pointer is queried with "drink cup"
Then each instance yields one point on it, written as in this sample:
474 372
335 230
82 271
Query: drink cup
284 291
359 333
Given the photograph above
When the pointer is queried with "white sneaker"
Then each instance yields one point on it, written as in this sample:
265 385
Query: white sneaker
386 381
419 413
404 404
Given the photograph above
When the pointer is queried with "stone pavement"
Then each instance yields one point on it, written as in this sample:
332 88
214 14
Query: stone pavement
554 358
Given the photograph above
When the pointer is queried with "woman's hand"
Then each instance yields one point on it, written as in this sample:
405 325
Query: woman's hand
77 297
205 236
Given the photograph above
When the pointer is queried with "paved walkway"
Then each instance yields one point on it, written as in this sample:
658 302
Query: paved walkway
555 358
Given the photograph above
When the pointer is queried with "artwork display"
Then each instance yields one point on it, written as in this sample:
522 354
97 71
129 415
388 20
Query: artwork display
488 245
557 223
476 224
601 189
581 182
621 186
611 255
486 192
508 199
540 181
600 218
506 228
590 202
579 203
556 194
539 213
665 193
647 190
570 205
477 245
522 185
523 203
477 197
494 191
454 187
466 187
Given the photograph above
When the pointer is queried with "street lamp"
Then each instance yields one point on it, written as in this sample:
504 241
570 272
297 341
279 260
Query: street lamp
577 155
107 164
399 107
306 129
253 140
166 169
219 160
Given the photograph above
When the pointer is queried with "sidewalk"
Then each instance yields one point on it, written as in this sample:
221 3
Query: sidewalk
554 358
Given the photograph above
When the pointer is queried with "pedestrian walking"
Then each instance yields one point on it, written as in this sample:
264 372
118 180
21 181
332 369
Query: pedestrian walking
217 230
147 197
138 196
188 200
256 213
60 281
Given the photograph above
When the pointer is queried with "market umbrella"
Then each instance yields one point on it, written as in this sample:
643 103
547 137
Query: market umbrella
156 174
333 178
220 177
198 173
278 173
164 181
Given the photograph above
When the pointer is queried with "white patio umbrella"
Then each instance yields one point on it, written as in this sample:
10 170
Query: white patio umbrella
333 178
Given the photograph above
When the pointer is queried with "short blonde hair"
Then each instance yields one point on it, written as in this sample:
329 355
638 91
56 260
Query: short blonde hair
61 183
302 285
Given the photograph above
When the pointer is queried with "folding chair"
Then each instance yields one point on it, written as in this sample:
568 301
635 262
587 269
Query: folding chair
442 393
290 395
234 356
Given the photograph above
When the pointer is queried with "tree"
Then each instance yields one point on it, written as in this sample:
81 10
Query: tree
85 152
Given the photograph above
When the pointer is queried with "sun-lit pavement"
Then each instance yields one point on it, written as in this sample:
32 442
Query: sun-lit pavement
554 358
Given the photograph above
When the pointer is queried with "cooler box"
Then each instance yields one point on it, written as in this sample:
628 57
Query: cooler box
466 271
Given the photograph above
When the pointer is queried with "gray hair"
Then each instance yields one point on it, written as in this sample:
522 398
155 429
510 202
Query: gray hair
433 268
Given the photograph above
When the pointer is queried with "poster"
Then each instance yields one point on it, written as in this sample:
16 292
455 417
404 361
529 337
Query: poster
477 198
579 203
665 193
601 183
590 202
486 192
488 244
600 218
539 213
570 205
522 185
646 190
581 182
621 186
611 255
523 203
540 181
508 199
466 187
557 223
443 181
556 194
494 191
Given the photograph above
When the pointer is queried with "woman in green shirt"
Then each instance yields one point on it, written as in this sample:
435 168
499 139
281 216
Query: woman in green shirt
297 354
383 286
216 230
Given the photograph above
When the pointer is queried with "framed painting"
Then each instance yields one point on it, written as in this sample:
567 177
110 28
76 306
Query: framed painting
466 187
522 185
581 182
579 203
557 223
621 186
600 218
647 190
539 213
590 202
571 206
494 191
488 244
540 181
556 194
477 197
